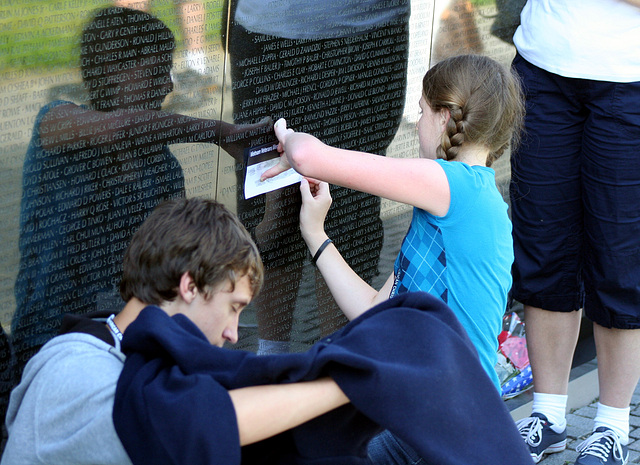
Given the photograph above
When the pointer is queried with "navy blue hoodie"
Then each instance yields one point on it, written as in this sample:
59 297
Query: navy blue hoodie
406 365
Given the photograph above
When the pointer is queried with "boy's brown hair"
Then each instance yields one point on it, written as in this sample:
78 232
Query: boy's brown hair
194 235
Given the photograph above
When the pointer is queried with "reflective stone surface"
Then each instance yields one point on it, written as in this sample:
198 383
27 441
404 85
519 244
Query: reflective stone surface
348 72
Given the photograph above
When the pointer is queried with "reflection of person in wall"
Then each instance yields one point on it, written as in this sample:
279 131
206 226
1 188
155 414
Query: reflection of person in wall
457 32
507 19
192 20
336 69
93 173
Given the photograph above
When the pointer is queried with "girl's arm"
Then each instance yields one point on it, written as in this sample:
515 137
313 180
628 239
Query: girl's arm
264 411
415 181
352 294
70 126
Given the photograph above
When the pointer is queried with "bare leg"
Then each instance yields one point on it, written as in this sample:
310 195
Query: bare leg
551 342
618 353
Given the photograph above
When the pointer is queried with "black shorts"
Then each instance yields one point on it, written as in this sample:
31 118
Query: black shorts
575 195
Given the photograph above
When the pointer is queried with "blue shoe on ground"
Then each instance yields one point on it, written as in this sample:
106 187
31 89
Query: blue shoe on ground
539 437
603 447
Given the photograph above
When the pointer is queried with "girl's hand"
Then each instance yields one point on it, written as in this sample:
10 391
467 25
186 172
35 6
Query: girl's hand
316 200
282 132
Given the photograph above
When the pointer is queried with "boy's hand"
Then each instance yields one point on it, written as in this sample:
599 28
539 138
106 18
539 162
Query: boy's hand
282 132
316 200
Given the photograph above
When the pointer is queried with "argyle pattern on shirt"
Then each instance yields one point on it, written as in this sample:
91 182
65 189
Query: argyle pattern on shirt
422 263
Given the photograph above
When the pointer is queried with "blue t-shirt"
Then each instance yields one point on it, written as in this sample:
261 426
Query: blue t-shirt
463 257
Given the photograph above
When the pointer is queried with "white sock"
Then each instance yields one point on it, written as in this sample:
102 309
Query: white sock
267 347
615 418
552 406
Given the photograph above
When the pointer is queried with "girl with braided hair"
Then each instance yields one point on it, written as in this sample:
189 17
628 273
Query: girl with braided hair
459 244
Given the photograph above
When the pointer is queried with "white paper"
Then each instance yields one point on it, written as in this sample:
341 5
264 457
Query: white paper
259 160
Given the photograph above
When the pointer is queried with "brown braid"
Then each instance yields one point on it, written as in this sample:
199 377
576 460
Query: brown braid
453 137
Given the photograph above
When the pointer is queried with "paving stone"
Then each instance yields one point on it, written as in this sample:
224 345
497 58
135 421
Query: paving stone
634 445
589 411
579 427
634 457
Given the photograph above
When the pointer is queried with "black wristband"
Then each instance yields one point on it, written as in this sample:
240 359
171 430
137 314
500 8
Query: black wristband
320 249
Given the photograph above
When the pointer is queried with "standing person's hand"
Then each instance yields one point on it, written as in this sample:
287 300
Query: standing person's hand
316 200
282 133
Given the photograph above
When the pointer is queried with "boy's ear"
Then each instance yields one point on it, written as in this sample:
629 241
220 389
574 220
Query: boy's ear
187 288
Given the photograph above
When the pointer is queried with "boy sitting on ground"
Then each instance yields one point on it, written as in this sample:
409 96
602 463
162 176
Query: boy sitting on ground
191 257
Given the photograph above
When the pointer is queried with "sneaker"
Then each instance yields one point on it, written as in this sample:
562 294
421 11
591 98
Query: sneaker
539 437
603 447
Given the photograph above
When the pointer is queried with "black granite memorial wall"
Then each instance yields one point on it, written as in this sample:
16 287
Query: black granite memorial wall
78 177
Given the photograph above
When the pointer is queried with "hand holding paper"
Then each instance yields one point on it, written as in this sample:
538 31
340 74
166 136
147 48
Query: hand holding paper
282 132
316 200
259 159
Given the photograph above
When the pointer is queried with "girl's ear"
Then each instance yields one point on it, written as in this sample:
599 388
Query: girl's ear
187 289
445 115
